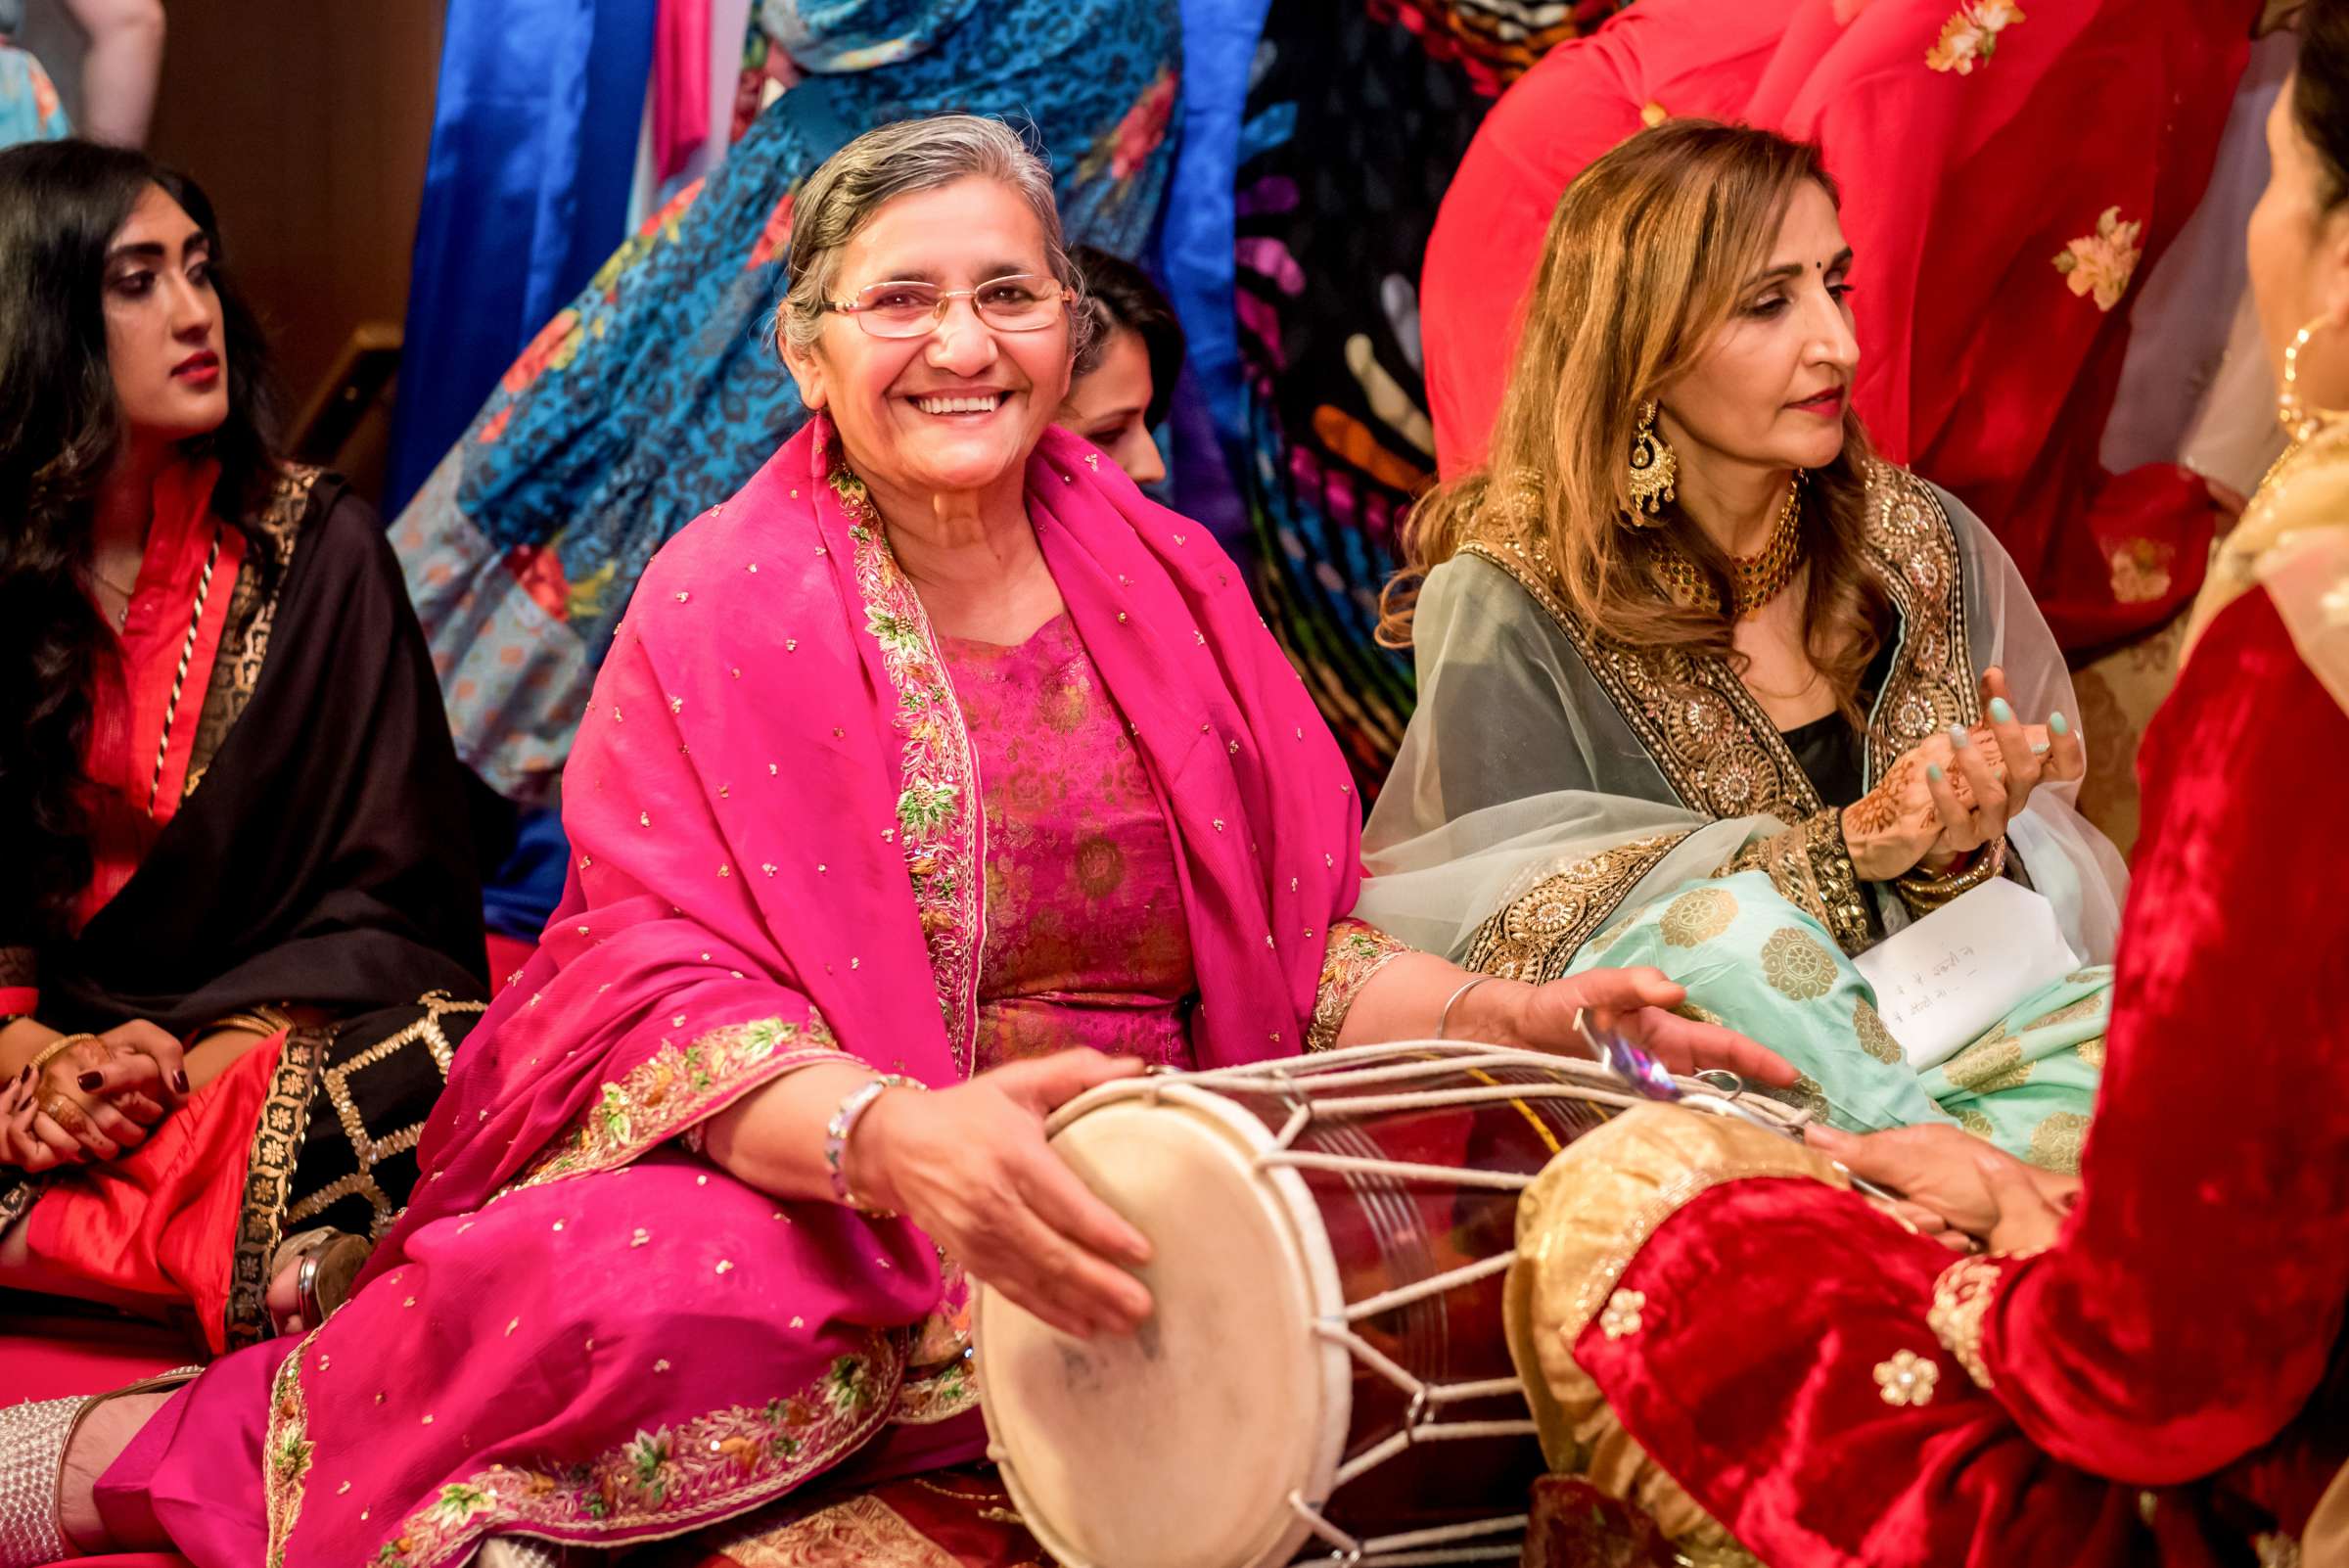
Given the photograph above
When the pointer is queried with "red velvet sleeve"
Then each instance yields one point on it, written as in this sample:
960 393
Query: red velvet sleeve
2186 1312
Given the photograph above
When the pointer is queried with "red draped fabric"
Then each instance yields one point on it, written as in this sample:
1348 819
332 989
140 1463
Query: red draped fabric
2178 1355
152 682
1985 367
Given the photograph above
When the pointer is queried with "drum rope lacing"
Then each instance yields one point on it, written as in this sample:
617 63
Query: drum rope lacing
1448 1543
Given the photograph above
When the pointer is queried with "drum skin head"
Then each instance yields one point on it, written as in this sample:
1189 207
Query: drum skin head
1178 1445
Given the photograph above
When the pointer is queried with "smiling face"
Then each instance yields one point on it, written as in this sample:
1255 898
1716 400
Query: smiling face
958 409
1109 405
1772 387
163 339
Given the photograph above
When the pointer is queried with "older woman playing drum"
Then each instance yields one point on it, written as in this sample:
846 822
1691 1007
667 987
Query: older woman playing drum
934 753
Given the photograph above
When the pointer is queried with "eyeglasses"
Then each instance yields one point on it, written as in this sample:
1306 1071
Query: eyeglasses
1020 302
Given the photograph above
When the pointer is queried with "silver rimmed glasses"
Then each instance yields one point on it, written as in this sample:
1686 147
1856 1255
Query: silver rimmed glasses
1022 302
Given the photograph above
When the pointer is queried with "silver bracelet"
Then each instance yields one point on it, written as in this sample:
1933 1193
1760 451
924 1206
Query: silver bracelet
1443 1018
843 1121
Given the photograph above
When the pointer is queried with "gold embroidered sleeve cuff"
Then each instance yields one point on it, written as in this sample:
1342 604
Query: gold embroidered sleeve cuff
1811 866
1536 934
1962 1300
1356 950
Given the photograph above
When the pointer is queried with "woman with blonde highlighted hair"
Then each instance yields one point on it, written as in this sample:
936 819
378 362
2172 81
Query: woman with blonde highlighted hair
1700 672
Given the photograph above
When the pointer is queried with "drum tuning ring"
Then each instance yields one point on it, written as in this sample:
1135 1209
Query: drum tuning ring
1414 1413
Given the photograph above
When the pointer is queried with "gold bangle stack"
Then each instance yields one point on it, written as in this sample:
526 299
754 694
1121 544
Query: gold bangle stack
263 1020
54 1049
1923 892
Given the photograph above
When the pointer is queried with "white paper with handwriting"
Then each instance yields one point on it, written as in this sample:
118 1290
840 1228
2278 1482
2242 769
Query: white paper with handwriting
1945 979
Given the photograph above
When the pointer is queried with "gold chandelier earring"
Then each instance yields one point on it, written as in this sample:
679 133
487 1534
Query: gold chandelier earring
2299 420
1653 469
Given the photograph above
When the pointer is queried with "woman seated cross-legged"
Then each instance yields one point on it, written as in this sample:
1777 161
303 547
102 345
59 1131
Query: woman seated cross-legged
1705 685
2147 1366
238 931
936 752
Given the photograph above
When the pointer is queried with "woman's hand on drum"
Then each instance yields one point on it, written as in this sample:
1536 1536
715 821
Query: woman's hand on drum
1946 1171
1956 791
1638 1002
969 1164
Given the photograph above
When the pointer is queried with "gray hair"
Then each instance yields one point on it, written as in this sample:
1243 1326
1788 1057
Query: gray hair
902 158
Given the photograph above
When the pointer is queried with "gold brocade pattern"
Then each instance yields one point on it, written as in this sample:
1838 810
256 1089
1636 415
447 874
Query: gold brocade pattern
1874 1039
2058 1142
1536 934
245 636
1698 915
860 1529
1796 966
269 1179
1579 1226
1356 950
1811 866
1961 1298
429 1032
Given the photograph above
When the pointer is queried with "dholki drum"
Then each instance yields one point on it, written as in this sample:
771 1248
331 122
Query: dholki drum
1326 1370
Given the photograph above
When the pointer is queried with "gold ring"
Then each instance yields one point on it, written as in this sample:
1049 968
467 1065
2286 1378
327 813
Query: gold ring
65 1114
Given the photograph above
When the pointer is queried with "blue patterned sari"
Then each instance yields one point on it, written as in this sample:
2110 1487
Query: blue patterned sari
658 392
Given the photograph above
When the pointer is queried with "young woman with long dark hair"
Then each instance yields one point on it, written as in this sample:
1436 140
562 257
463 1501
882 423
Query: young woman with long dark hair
238 931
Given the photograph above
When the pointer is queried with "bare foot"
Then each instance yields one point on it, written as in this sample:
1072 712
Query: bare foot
98 1442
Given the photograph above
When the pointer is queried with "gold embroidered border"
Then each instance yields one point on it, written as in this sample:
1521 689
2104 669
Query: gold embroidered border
367 1149
269 1182
1812 868
1579 1226
673 1088
663 1482
286 1454
1932 684
857 1528
1962 1300
1356 950
1535 935
245 636
940 822
1716 747
1693 717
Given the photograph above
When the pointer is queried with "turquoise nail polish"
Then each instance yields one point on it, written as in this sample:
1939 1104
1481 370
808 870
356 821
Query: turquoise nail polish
2000 713
2057 725
1959 738
1933 772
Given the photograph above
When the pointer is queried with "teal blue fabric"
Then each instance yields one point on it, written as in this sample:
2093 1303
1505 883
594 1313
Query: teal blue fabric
1759 964
29 110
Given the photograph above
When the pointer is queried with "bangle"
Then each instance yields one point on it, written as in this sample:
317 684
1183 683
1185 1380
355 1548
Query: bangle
264 1020
54 1049
1926 893
1443 1018
844 1122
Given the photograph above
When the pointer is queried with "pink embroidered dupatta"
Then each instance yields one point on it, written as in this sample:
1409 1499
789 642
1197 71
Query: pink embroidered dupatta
776 828
777 840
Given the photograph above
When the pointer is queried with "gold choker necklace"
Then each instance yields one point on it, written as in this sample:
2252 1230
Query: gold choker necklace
1754 579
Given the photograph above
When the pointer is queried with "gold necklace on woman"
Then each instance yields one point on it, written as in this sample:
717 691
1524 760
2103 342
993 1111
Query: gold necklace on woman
1754 579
